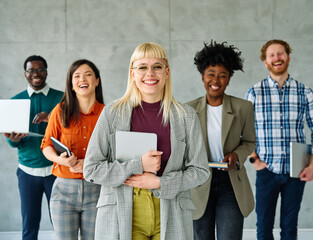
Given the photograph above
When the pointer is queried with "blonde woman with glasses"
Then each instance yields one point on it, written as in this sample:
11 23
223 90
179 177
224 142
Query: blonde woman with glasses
147 197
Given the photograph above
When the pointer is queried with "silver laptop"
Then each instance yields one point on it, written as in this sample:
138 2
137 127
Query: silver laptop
134 144
15 116
299 158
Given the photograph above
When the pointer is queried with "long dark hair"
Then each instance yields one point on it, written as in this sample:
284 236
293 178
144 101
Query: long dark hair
69 103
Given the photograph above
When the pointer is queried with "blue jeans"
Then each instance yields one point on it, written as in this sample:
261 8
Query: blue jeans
268 187
222 209
31 191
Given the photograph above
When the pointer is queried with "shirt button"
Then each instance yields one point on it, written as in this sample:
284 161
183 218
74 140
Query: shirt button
84 137
85 148
84 126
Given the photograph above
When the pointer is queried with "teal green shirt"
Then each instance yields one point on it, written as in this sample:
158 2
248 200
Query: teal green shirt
29 152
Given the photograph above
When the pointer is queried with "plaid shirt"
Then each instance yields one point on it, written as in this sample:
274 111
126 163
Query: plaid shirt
279 119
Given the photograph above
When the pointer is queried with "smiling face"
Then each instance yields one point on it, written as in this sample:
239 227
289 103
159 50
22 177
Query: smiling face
277 60
150 84
215 80
84 81
36 74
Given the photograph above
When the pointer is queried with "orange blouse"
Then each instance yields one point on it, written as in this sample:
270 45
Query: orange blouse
75 137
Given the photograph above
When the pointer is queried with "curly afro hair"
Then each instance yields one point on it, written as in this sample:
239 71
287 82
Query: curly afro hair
220 54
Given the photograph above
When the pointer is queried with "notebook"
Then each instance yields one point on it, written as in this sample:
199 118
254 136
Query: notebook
299 158
134 144
15 114
218 164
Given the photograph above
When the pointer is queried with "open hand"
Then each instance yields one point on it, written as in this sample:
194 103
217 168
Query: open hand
40 117
15 137
146 180
78 168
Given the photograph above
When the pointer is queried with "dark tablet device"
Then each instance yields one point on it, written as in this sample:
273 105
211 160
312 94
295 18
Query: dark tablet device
60 147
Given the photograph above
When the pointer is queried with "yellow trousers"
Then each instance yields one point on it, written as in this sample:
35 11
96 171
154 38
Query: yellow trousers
146 215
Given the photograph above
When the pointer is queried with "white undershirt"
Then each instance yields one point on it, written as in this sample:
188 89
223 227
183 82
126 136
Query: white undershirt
214 128
37 172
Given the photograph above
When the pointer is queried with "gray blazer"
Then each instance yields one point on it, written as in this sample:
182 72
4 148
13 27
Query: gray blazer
186 168
238 135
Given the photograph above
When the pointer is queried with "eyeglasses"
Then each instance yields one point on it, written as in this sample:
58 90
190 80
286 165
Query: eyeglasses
38 70
156 68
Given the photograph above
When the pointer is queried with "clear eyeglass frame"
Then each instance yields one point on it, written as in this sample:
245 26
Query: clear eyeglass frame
157 68
38 70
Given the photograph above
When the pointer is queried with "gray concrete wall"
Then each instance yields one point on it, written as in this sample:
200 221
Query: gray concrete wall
107 31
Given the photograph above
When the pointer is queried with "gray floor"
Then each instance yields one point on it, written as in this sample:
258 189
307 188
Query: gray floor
303 234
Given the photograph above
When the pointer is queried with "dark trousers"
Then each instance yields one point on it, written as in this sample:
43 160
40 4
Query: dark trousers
222 210
31 191
268 187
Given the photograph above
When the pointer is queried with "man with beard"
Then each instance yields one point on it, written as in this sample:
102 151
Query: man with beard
34 170
281 106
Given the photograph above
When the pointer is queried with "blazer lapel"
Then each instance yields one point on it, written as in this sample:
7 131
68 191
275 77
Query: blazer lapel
201 111
227 118
177 135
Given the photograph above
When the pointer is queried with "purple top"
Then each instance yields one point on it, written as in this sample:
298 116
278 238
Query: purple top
148 119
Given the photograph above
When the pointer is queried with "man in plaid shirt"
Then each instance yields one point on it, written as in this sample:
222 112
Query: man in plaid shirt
281 106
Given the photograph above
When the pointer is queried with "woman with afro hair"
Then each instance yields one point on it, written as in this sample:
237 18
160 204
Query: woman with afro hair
227 124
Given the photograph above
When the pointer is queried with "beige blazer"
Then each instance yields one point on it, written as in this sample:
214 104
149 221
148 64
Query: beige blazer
238 135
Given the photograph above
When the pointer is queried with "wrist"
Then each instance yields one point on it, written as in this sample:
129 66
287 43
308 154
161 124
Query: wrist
158 183
253 159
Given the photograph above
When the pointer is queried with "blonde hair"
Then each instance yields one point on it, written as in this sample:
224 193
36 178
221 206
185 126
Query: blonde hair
132 96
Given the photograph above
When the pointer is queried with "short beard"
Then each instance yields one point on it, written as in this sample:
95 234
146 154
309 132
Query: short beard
278 73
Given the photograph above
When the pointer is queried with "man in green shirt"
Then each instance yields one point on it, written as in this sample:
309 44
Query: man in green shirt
34 170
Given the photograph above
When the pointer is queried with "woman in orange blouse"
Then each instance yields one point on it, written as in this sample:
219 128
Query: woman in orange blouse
73 200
